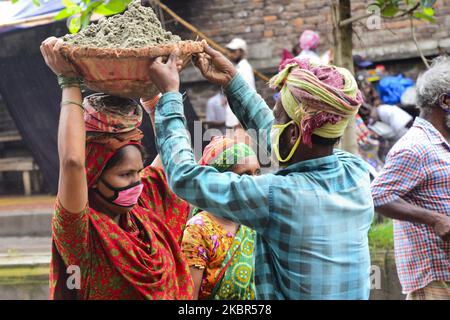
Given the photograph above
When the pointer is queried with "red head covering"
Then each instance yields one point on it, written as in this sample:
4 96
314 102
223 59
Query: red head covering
99 151
112 124
105 113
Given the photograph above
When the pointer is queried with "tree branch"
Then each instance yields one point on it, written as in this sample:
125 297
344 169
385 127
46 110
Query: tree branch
408 12
346 22
357 18
413 32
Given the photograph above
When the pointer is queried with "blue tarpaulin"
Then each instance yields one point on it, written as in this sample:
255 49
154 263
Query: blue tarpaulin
391 88
24 9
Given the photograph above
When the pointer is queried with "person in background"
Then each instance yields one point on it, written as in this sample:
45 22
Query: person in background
216 110
368 145
414 189
359 63
295 52
288 55
398 119
219 251
239 52
308 42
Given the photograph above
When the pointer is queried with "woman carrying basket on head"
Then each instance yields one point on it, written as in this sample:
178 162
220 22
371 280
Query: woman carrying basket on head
117 226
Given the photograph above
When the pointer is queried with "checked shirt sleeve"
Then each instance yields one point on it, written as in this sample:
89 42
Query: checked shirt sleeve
243 199
402 173
250 109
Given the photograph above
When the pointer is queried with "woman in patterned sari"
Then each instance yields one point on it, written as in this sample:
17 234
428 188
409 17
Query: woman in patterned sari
219 251
117 226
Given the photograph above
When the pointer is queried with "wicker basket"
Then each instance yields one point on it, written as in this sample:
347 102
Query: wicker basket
123 72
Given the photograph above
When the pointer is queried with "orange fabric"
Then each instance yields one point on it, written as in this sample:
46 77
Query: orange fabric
205 245
150 104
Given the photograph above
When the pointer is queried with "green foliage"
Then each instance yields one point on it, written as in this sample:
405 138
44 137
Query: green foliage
78 15
71 9
389 8
422 10
425 14
112 7
381 236
74 23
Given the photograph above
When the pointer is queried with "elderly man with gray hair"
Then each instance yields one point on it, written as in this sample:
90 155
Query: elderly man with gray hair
414 189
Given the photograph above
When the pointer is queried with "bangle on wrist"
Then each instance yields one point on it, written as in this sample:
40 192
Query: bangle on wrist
69 102
72 85
65 82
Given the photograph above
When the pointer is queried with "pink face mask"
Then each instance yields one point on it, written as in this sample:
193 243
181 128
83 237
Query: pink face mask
123 197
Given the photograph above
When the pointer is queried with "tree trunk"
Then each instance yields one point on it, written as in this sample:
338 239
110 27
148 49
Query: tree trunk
343 49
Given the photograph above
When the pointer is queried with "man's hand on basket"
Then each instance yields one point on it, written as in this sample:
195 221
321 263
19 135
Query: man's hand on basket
214 66
54 59
165 76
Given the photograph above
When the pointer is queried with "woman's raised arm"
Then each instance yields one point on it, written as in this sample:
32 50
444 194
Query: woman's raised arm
72 189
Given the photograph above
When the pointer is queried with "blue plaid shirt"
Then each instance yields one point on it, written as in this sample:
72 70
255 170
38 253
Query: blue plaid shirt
312 218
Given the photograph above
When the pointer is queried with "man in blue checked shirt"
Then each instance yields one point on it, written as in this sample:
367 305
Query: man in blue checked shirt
312 216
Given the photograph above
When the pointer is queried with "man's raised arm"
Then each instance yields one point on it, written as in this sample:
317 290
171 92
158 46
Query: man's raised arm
248 106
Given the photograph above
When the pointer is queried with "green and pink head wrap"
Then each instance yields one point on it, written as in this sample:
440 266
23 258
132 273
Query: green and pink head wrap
321 99
223 153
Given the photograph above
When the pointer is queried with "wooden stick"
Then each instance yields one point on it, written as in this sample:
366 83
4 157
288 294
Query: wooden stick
211 42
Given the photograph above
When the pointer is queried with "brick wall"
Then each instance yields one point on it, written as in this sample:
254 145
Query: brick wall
270 26
274 25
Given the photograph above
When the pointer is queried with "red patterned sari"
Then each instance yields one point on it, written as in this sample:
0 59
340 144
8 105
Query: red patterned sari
139 258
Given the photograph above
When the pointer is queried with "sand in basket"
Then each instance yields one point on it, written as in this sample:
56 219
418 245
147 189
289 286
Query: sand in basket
114 55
